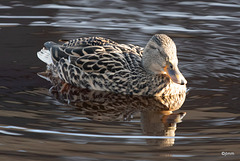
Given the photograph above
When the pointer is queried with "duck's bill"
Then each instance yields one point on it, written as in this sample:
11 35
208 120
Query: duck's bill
175 75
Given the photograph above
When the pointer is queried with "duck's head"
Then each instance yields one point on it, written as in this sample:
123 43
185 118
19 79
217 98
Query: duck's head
160 57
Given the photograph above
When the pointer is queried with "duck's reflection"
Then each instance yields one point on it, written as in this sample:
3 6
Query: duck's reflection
157 118
157 123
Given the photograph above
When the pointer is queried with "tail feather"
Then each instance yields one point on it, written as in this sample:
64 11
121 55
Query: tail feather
45 56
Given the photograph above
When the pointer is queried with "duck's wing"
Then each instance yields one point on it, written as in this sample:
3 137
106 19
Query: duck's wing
100 41
99 59
94 59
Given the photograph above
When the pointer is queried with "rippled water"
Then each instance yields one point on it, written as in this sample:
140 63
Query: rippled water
38 124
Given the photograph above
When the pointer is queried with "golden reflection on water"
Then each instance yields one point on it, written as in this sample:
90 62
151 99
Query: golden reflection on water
157 117
156 123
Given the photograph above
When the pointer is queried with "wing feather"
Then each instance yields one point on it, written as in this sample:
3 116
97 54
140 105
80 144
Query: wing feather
97 55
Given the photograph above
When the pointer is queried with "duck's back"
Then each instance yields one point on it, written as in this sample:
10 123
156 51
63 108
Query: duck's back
97 54
95 63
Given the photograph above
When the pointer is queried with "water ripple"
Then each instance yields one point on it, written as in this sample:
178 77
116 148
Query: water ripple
199 3
9 133
4 7
96 135
25 17
9 24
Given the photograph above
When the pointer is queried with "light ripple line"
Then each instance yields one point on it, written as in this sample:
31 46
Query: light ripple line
9 133
99 135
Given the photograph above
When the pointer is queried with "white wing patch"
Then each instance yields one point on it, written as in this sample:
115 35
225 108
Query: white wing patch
45 56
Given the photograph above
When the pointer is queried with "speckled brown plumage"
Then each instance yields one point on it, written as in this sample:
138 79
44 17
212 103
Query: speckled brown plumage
101 64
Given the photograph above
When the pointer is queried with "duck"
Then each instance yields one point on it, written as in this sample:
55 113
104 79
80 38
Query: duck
98 63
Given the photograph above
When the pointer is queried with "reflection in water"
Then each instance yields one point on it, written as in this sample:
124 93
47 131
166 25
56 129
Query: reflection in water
155 123
157 118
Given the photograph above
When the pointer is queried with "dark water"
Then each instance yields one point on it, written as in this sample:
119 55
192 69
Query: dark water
38 124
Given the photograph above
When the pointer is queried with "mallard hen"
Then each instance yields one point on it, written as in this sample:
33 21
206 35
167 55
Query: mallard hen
98 63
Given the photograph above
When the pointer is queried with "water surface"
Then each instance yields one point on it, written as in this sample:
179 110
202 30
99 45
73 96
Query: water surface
38 124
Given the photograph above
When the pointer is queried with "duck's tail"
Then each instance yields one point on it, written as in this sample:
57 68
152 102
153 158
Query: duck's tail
45 56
